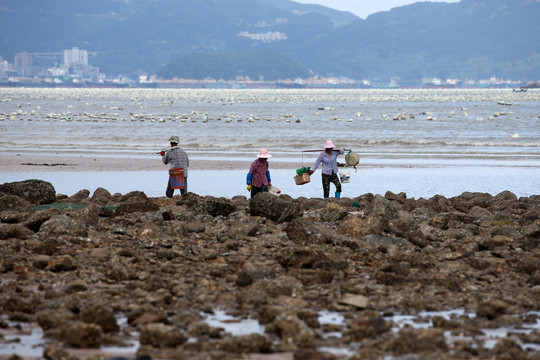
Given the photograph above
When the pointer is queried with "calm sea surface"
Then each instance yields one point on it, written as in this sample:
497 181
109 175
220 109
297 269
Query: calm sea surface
422 142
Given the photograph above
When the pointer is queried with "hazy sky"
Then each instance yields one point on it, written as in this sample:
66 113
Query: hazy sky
363 8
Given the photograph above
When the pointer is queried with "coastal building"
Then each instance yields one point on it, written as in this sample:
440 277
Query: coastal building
23 63
75 56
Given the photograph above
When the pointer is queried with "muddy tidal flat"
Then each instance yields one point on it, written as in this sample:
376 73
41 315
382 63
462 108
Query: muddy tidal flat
127 276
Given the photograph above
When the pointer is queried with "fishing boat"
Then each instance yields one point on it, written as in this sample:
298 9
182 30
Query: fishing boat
521 89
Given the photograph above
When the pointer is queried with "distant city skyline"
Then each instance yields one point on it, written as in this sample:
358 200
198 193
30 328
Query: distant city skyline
364 8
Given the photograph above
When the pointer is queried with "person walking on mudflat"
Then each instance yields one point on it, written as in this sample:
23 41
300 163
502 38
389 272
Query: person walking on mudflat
328 159
178 159
258 178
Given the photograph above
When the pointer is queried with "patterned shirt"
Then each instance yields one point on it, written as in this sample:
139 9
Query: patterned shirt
177 158
261 175
329 163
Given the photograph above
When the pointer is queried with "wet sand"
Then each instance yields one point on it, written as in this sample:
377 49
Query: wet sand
86 163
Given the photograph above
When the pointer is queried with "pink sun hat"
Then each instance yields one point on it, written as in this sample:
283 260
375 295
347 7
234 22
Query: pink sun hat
329 144
263 153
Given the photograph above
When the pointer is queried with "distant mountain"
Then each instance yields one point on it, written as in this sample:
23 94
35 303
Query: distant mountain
265 65
470 39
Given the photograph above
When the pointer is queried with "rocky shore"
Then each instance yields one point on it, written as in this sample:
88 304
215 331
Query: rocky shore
100 270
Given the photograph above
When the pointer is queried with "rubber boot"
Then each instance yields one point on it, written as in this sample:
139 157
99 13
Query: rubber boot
338 195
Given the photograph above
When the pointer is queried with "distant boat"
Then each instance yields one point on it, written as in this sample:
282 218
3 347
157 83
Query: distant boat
521 89
506 103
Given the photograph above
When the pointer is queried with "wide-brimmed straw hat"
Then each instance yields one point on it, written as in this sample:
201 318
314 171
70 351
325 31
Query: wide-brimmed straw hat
263 153
329 144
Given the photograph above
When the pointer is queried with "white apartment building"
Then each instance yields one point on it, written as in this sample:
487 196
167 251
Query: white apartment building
75 56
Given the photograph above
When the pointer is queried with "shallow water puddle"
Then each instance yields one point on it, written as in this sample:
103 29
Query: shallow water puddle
232 325
27 341
490 337
23 339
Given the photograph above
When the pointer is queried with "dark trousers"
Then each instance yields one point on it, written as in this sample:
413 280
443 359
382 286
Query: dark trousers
256 190
326 180
169 192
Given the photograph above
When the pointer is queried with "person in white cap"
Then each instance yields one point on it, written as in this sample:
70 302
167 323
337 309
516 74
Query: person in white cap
258 178
177 158
328 159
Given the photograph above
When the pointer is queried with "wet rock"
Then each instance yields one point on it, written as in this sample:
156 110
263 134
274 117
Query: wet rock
34 191
144 315
79 334
133 206
48 246
276 208
508 349
309 354
254 272
353 226
80 197
333 213
12 216
56 351
367 325
480 215
134 196
102 316
161 335
310 317
404 255
306 258
101 196
63 225
310 277
503 200
241 230
88 215
441 322
40 262
529 265
14 231
62 263
384 241
253 343
53 318
260 292
383 209
410 341
215 207
467 200
75 286
190 199
302 231
293 332
24 302
37 218
358 301
195 227
491 309
9 202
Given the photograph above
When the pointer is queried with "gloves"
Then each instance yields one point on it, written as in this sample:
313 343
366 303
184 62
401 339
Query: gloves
162 153
249 188
310 172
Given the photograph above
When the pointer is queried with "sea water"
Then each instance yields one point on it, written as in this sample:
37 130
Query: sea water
421 142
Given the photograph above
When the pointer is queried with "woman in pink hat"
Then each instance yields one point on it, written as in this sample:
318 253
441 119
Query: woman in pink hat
258 178
328 159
